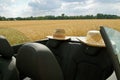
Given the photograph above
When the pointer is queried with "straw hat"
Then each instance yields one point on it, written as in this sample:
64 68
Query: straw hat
59 34
93 38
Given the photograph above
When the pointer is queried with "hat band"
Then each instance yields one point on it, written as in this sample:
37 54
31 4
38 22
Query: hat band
58 36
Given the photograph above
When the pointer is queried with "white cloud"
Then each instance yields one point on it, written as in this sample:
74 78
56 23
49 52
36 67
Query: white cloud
44 7
44 4
13 0
24 8
106 8
77 8
108 1
12 8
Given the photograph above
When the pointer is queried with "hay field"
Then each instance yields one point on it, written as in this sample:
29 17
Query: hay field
39 29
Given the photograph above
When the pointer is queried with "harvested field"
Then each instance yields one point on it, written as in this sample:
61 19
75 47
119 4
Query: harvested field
39 29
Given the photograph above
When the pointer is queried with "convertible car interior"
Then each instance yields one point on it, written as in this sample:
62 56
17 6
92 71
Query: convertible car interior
60 60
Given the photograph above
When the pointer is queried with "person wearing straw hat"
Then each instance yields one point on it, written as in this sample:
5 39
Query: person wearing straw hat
93 60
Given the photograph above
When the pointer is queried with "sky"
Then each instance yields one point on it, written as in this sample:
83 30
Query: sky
26 8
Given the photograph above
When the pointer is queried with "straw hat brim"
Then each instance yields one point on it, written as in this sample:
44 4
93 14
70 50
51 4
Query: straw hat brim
51 37
84 40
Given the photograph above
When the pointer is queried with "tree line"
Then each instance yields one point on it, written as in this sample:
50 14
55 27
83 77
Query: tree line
64 17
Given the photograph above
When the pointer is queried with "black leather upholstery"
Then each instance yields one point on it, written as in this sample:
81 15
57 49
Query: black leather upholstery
5 49
37 62
93 63
8 69
81 62
65 52
68 51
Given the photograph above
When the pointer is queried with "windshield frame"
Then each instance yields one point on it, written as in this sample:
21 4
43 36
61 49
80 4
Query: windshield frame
111 51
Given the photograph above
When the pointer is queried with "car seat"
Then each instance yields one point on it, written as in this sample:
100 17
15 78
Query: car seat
8 69
65 51
93 63
78 63
36 61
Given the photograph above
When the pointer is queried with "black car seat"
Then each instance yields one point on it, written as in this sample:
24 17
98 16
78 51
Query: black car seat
67 52
78 63
64 51
37 62
8 69
93 63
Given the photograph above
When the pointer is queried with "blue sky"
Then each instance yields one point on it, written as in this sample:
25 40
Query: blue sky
25 8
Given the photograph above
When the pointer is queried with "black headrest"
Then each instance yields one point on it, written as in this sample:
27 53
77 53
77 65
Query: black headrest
53 43
90 50
38 62
5 49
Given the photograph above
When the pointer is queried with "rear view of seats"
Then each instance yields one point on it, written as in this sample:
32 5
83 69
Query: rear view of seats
8 69
78 63
93 63
37 62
